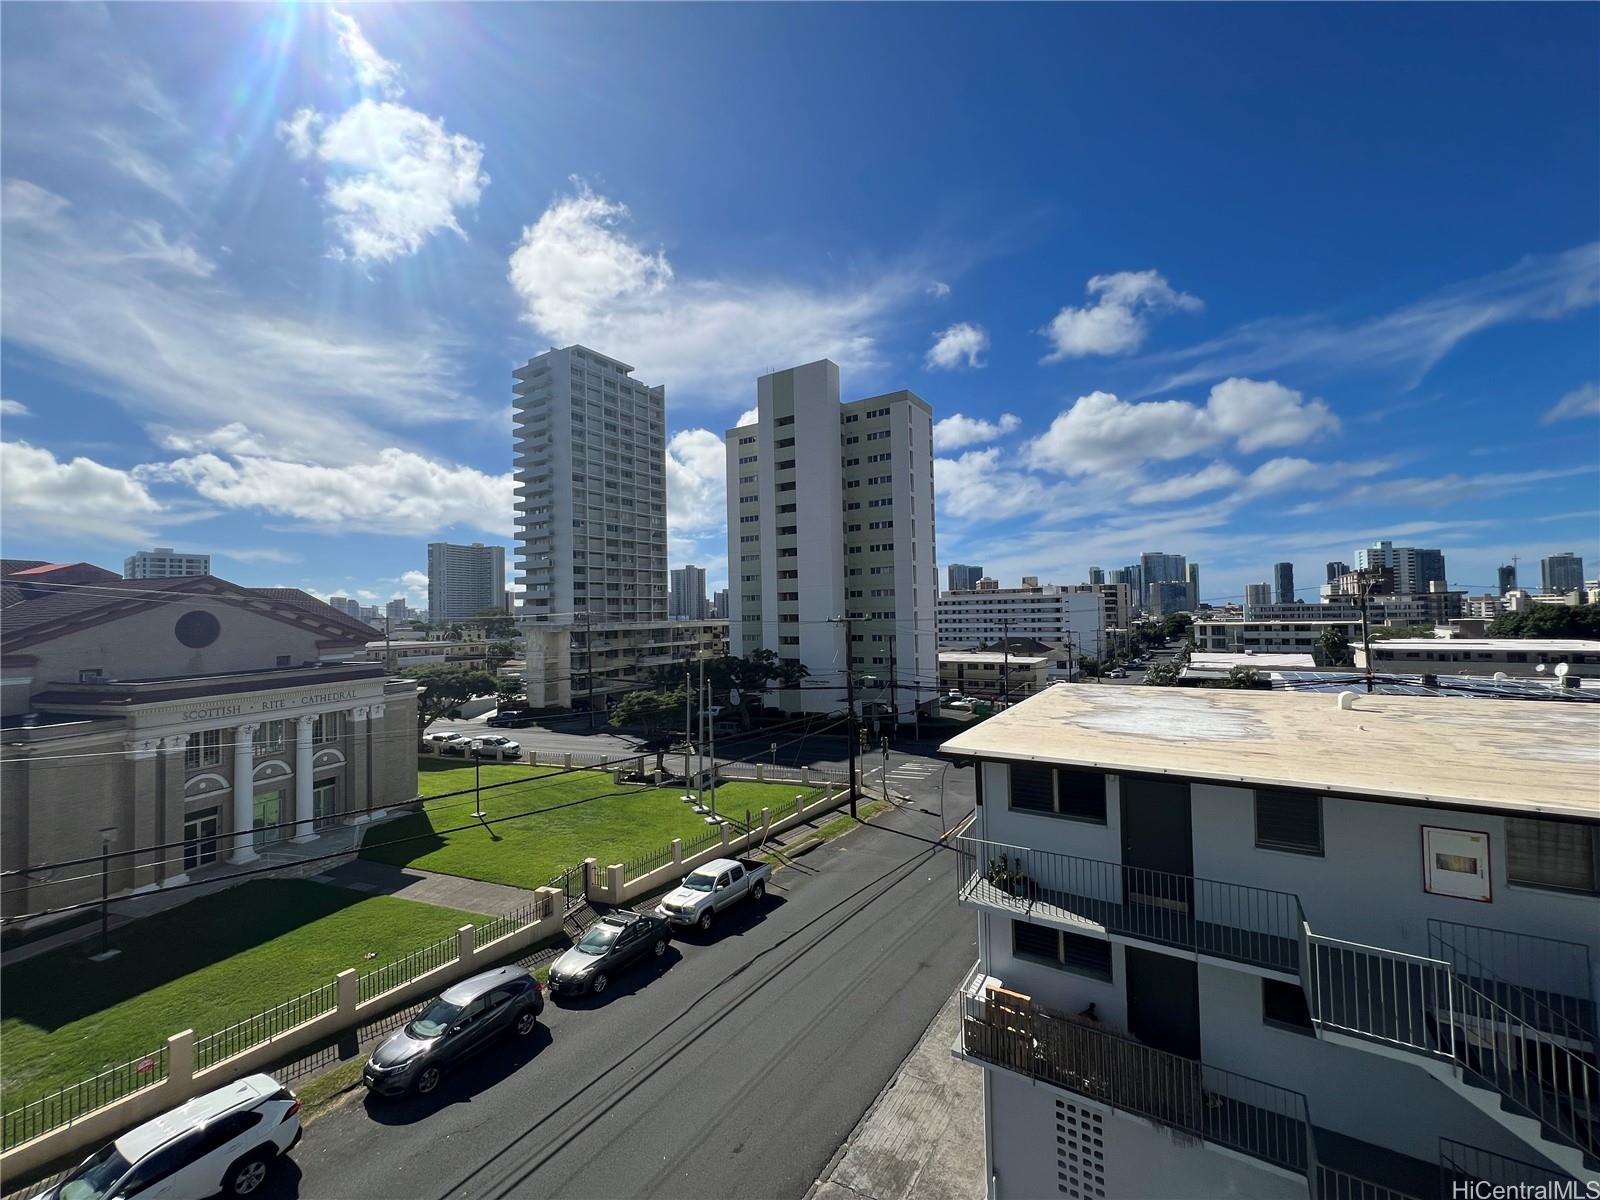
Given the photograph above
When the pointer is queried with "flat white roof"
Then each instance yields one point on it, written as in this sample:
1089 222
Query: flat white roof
1518 645
1514 756
1264 661
991 656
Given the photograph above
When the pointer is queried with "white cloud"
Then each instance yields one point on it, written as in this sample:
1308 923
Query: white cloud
372 70
13 408
1410 339
696 482
1439 491
962 343
977 485
395 176
259 555
958 430
1182 487
1580 402
397 492
1100 432
582 279
748 417
1118 320
80 498
938 289
122 308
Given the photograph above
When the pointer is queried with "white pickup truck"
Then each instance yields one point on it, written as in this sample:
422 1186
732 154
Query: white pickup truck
712 887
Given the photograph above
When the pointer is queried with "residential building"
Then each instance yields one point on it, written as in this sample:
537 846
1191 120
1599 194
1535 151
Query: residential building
1274 637
830 515
1156 567
192 719
465 580
993 674
1194 587
1336 569
987 584
1560 573
962 577
410 653
1414 569
1117 599
1487 606
1050 613
395 611
1167 596
1283 582
1485 656
687 601
1285 947
1212 664
345 605
1256 595
1508 577
592 531
1097 575
164 562
719 605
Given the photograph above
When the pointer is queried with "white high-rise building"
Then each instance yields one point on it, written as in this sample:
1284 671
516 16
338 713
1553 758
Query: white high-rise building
1063 616
687 601
1414 568
164 562
465 580
592 529
830 514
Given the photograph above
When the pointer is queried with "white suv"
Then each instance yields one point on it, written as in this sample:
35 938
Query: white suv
225 1141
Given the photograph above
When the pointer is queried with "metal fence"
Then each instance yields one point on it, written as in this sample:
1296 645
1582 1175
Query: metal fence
643 864
405 969
1463 1164
496 928
71 1103
238 1037
1333 1184
1252 925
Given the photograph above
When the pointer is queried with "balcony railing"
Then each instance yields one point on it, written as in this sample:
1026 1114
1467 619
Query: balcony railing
1244 924
1209 1104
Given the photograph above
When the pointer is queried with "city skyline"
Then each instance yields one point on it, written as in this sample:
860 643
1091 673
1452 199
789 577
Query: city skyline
317 413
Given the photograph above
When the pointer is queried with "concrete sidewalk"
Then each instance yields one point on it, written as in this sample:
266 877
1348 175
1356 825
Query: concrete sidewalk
427 887
923 1136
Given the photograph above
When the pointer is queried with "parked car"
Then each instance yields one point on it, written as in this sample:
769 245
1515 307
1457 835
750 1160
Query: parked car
617 939
225 1142
1116 673
709 889
446 743
488 747
959 705
466 1017
511 718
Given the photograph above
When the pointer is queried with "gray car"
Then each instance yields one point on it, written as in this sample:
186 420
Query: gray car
466 1017
617 939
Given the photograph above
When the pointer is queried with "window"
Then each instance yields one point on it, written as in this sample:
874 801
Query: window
783 443
782 421
1552 854
1067 951
223 1130
1289 821
1284 1005
200 838
1060 792
204 750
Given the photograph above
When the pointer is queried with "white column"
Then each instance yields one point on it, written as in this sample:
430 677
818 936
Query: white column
244 794
533 668
171 802
304 830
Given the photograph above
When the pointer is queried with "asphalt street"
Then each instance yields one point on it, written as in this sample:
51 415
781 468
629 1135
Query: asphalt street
733 1067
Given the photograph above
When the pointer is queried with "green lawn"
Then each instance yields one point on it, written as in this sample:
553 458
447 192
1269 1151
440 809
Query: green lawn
611 822
204 965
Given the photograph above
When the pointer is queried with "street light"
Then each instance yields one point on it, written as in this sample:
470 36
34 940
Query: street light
106 952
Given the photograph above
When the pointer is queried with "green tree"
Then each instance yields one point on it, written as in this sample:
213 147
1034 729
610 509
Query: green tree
495 623
443 690
1242 677
500 653
1381 633
1163 675
1548 621
1333 649
1090 665
752 675
650 711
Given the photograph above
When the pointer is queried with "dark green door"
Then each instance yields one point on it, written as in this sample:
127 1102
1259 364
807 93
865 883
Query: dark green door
1157 844
1164 1001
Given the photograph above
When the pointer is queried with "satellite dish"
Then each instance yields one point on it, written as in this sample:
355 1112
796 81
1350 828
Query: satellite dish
1561 670
1540 668
1501 677
733 695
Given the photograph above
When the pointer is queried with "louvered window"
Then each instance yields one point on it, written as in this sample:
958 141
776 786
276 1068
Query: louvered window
1032 788
1553 854
1059 791
1289 821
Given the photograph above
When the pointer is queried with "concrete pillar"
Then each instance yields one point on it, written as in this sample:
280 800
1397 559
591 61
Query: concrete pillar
805 776
180 1063
170 802
347 988
465 947
614 882
761 772
677 853
725 835
244 794
303 815
590 886
140 819
566 761
766 821
377 794
357 804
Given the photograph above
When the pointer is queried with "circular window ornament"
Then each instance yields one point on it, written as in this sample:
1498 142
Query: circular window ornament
197 629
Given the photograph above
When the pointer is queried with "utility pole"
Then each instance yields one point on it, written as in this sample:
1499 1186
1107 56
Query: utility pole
588 649
894 686
1005 676
850 702
700 739
688 707
711 745
1366 633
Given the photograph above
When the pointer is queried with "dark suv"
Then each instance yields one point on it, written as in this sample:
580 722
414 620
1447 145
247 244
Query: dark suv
460 1022
512 718
613 942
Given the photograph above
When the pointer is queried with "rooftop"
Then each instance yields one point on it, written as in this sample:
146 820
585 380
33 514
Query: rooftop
1503 757
1519 645
991 656
1215 660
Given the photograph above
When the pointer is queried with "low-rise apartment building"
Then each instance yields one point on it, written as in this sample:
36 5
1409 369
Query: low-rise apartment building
992 674
174 723
1483 656
1049 613
1282 945
410 654
1271 637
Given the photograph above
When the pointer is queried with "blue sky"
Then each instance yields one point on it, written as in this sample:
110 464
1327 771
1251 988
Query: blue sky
1247 283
